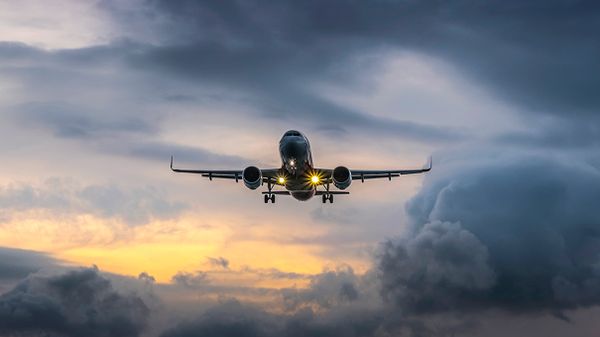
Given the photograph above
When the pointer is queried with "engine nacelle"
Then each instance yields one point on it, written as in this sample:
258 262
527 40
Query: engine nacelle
252 177
342 178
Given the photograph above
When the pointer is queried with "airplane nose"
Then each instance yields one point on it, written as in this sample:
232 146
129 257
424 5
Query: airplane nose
295 149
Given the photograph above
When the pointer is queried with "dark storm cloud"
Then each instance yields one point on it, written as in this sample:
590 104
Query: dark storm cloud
276 79
16 264
135 207
555 134
520 233
279 82
77 303
540 54
232 318
326 290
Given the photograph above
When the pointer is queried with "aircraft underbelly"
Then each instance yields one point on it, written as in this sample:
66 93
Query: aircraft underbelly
303 195
300 189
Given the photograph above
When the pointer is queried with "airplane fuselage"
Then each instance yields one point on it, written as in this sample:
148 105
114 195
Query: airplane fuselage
297 164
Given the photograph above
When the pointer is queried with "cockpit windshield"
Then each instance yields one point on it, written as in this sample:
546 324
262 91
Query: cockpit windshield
292 133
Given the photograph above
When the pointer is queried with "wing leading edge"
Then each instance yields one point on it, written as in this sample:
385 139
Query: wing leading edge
377 174
267 174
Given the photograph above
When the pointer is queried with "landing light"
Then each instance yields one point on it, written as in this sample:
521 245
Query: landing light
281 180
314 179
292 162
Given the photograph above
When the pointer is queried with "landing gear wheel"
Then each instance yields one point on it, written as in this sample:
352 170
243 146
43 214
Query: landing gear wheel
331 198
273 198
324 198
266 198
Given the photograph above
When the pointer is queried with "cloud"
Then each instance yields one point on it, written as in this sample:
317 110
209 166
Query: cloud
16 264
517 233
260 75
331 288
218 262
190 280
135 207
439 264
123 134
66 120
511 49
160 151
147 278
232 318
77 303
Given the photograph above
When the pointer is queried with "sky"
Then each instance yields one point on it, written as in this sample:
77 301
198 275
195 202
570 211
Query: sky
99 238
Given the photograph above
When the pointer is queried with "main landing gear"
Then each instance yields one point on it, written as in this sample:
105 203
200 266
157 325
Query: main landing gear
269 196
329 197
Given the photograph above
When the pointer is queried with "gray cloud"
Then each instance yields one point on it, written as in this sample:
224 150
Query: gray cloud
77 303
273 273
218 262
16 264
514 233
232 318
69 121
522 52
147 278
122 134
557 134
329 289
432 270
262 74
190 280
137 206
159 151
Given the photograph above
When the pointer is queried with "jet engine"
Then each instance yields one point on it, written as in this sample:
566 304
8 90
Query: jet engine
342 178
252 177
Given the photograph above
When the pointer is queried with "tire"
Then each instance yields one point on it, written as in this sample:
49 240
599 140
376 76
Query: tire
331 198
266 198
324 198
273 198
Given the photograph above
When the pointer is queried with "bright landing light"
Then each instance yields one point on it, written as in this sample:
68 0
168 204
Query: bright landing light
314 179
281 180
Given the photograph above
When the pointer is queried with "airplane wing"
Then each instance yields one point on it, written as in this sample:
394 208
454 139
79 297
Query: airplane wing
267 174
377 174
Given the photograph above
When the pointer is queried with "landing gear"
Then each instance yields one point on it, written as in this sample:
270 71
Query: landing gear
269 197
329 197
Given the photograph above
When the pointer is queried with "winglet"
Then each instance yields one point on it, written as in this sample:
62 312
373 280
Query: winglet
171 163
429 164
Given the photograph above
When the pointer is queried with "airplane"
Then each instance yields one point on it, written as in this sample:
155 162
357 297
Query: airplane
298 175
